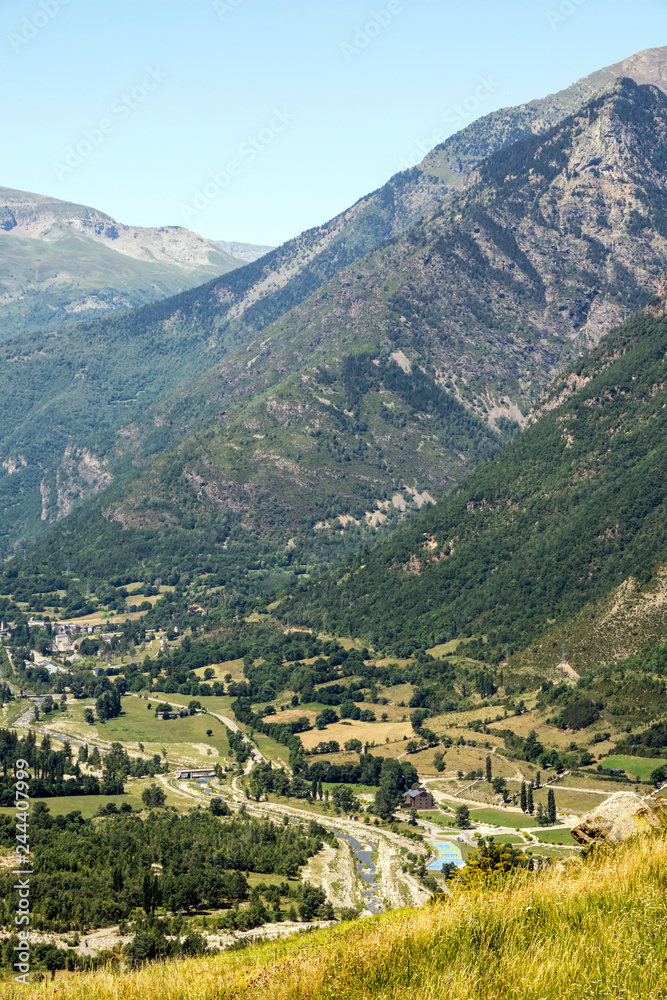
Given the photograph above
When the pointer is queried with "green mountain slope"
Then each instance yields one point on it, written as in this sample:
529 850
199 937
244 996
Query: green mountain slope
61 263
570 510
490 294
417 362
402 372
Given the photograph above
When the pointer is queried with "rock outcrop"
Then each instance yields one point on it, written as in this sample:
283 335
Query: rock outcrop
657 305
619 817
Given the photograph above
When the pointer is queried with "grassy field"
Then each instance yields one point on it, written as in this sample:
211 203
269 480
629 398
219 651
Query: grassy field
571 802
556 837
559 934
599 784
502 817
551 852
185 740
270 749
436 818
11 711
138 724
636 767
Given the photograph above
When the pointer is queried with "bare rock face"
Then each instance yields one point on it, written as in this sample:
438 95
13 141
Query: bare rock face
618 818
657 306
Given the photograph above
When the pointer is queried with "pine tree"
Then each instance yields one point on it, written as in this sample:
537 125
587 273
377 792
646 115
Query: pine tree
538 777
551 807
524 798
489 772
531 807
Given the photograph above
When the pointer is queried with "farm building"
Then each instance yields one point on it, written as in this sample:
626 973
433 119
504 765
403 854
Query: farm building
418 798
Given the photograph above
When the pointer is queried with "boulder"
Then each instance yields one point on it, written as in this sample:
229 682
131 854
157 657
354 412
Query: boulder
617 818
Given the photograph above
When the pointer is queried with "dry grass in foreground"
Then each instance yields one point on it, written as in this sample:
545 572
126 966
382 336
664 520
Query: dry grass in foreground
594 929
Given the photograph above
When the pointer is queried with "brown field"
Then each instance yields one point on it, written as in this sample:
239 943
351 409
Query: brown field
291 715
460 720
591 782
523 724
395 713
233 667
444 648
367 732
474 759
398 693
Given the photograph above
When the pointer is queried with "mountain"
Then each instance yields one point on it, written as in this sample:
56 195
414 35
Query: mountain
385 389
452 160
60 263
573 510
479 302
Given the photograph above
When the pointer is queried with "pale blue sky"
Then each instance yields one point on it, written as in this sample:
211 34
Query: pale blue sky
296 112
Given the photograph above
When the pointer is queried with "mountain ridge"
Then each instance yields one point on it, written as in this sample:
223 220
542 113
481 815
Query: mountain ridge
551 283
60 261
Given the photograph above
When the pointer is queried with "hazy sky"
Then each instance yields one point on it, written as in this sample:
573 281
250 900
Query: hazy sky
256 119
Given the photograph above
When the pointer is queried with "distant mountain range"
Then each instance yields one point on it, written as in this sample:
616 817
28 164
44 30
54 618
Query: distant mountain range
61 263
365 366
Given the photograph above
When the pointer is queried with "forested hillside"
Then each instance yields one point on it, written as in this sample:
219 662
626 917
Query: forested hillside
385 388
64 394
568 511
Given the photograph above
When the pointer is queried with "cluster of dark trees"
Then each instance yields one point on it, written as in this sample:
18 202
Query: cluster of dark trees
239 746
390 776
530 749
575 710
93 874
546 816
652 742
47 769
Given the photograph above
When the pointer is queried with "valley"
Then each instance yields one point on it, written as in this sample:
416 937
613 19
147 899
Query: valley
333 575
